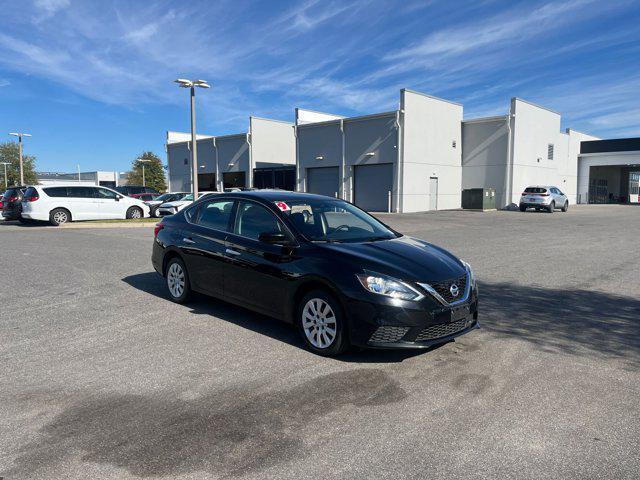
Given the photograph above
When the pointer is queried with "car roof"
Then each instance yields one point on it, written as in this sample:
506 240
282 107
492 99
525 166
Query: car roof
277 195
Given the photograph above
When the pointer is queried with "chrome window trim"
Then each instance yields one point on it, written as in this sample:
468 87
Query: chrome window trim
437 296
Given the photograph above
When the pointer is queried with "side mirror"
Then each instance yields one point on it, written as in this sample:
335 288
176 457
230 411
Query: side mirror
118 197
273 238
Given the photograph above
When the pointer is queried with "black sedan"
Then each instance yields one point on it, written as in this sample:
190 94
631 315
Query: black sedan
337 273
11 203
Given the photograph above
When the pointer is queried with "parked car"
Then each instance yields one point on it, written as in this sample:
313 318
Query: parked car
164 198
145 197
171 208
337 273
135 189
66 203
11 203
543 198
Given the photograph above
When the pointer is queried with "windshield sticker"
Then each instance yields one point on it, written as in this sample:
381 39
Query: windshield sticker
283 206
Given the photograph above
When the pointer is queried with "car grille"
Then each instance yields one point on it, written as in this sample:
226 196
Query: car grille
444 288
442 330
388 334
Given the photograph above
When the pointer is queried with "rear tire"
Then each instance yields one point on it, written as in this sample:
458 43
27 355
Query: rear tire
322 324
552 207
566 206
177 280
59 216
134 212
523 208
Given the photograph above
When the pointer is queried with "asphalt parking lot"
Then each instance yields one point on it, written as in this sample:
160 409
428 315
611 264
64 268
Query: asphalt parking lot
103 377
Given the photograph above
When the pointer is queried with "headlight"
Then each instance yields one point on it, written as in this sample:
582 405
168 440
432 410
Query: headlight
388 286
472 276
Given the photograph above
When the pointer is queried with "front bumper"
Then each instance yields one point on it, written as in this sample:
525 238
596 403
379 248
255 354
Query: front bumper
378 323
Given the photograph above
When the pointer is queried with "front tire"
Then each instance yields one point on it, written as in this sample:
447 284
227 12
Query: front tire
134 212
523 208
177 280
322 324
59 216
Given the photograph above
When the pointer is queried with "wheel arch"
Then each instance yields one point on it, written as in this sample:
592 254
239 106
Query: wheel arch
170 254
308 285
62 208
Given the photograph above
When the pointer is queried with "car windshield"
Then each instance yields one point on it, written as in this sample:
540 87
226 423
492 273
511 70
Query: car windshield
165 197
187 198
327 220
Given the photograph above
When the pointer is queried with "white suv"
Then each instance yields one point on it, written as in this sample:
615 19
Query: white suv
65 203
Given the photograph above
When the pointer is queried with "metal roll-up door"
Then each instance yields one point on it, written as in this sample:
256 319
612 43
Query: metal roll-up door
371 186
323 181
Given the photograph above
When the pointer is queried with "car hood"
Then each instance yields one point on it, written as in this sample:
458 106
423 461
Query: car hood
177 203
405 257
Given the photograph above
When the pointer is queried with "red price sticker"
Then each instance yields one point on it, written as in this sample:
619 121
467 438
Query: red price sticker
283 206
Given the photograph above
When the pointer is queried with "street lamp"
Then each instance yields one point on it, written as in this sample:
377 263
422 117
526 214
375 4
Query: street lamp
5 173
143 161
20 135
192 84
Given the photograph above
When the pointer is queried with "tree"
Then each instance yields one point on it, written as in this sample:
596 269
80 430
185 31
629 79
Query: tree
153 172
9 153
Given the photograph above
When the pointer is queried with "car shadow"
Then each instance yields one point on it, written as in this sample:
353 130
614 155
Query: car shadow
573 321
153 284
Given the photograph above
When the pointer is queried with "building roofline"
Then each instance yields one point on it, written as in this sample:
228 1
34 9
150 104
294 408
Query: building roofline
487 119
430 96
317 111
349 119
251 117
513 99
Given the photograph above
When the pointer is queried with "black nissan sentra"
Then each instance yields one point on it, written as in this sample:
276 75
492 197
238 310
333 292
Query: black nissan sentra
338 274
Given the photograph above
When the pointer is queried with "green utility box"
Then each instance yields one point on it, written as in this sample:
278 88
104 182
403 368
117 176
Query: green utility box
479 198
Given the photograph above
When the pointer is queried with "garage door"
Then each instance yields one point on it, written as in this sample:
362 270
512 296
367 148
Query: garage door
323 181
371 186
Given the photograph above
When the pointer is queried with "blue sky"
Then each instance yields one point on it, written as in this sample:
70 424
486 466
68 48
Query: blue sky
92 80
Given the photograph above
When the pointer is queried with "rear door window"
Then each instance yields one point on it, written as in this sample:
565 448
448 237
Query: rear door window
215 214
81 192
56 191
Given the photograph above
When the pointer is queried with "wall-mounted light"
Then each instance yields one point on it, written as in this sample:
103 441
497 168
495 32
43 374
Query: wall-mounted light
203 166
453 144
369 154
320 157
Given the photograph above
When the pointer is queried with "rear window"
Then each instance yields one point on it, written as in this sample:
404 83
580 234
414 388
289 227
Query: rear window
535 190
56 191
31 192
12 192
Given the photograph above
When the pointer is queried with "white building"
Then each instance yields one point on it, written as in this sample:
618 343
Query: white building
263 157
406 160
609 171
99 178
525 147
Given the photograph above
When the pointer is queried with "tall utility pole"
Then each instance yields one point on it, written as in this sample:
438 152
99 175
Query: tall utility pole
192 84
20 135
5 174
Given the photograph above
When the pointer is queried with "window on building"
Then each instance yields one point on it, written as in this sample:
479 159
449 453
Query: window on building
550 151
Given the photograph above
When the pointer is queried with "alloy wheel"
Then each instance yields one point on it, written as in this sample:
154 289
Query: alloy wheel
319 323
176 280
60 217
135 213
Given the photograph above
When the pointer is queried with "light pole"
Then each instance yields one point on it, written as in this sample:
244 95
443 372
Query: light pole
143 161
20 135
5 174
192 84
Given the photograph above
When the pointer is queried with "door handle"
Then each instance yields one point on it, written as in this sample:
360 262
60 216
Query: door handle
232 252
188 240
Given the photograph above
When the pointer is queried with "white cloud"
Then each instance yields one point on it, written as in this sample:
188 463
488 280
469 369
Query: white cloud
4 82
48 8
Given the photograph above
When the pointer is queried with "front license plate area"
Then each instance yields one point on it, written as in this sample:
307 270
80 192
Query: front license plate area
458 313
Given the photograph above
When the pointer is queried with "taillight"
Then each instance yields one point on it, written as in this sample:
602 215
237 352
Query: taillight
1 203
13 199
156 230
543 194
32 198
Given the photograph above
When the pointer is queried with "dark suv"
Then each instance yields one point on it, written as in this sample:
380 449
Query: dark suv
135 189
11 203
